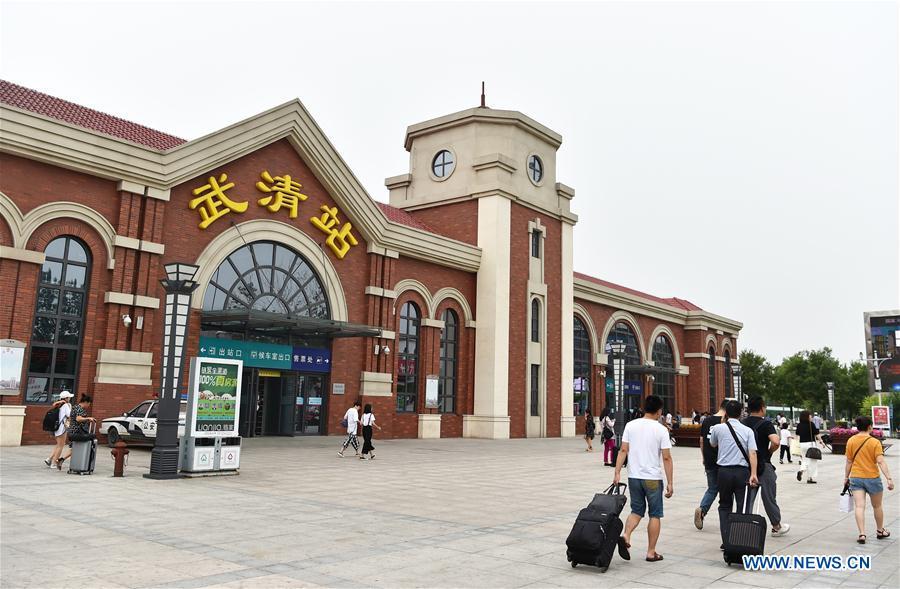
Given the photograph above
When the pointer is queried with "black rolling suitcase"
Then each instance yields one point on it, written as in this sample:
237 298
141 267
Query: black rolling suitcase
84 454
746 532
597 530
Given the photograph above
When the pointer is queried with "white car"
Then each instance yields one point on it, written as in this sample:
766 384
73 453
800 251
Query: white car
138 426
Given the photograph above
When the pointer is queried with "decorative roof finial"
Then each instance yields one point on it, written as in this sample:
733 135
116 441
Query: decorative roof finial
483 105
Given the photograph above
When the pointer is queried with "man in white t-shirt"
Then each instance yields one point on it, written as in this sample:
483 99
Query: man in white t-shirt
646 444
351 417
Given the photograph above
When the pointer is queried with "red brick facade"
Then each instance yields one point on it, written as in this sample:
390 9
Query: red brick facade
133 226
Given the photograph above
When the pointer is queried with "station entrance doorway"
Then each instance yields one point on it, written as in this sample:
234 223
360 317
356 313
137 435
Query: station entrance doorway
282 403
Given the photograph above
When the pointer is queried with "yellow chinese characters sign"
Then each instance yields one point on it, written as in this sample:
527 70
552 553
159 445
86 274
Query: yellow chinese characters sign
280 193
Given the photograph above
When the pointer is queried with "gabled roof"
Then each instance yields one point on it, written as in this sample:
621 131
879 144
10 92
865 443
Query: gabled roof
671 301
400 216
88 118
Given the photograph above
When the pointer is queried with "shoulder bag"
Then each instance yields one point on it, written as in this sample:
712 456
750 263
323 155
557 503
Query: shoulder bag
738 442
813 453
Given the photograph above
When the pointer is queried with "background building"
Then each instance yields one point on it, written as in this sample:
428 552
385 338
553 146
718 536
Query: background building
462 286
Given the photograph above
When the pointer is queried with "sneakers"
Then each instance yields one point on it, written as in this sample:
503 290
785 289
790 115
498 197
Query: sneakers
784 529
698 518
362 457
811 482
799 475
341 453
47 462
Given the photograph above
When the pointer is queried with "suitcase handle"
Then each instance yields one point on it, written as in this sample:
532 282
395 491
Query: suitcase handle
615 489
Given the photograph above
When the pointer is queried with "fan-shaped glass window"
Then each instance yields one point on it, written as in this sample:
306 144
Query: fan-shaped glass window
266 276
581 395
632 388
664 381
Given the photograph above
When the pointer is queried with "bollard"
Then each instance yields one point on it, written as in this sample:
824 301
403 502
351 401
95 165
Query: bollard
119 452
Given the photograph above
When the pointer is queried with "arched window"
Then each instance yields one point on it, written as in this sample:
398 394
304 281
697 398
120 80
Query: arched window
728 374
58 327
266 276
408 359
582 369
664 383
449 357
535 320
711 374
632 387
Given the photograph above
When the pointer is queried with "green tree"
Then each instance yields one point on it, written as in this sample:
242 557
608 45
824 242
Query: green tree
757 375
851 389
790 378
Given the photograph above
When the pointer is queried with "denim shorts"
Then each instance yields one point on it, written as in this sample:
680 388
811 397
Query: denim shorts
870 486
646 493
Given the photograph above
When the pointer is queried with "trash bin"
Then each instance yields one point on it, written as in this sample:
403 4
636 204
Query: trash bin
228 455
198 454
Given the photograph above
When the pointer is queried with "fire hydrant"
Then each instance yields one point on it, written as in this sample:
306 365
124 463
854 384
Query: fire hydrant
119 452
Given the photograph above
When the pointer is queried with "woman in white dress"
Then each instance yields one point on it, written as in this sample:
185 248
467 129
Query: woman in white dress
65 410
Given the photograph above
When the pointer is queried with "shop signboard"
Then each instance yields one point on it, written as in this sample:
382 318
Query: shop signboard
882 330
269 356
12 357
880 416
214 397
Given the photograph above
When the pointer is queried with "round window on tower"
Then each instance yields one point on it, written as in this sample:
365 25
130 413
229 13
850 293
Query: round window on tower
443 164
535 169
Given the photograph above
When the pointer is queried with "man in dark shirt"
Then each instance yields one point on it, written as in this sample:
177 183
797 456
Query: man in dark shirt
710 455
767 441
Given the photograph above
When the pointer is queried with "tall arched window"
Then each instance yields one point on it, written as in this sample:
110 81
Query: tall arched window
711 374
266 276
449 357
535 320
664 383
408 358
58 327
728 374
582 369
632 388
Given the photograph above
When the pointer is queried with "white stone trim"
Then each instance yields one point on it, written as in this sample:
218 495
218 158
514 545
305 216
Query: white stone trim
663 329
428 322
224 244
429 426
371 248
685 370
375 384
130 300
139 244
493 427
710 339
38 216
387 334
124 367
627 318
720 358
696 355
449 292
376 291
417 287
21 255
146 191
567 327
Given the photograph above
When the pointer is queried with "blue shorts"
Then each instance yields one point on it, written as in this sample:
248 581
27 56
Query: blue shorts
870 486
646 494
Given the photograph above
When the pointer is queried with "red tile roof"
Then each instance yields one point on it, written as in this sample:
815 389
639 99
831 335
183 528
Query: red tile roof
402 217
672 301
80 116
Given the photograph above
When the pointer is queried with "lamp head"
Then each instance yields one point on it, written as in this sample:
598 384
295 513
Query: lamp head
181 271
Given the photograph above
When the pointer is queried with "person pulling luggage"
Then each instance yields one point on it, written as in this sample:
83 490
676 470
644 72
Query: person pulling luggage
646 445
78 422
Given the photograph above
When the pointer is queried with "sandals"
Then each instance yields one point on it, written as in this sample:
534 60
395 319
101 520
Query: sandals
861 539
655 558
882 534
623 547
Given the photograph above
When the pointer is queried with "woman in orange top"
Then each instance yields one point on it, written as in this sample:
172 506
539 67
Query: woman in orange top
865 455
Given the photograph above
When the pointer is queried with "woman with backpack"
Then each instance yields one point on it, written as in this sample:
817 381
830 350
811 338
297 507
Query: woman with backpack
607 432
62 410
589 428
810 454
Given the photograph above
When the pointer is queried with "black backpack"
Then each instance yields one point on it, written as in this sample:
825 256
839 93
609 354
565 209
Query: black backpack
51 420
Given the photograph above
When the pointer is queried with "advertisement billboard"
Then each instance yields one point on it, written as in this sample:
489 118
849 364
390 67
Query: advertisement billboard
880 416
882 341
214 399
12 357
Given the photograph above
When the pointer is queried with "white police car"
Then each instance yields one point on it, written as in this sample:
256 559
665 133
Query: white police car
138 426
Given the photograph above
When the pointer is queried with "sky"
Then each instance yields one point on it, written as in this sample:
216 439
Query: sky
741 155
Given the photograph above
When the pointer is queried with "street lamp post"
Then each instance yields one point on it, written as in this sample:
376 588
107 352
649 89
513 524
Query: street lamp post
618 353
876 364
179 284
736 380
830 386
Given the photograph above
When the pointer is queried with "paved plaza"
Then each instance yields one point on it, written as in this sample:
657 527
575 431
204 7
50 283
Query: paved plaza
425 513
